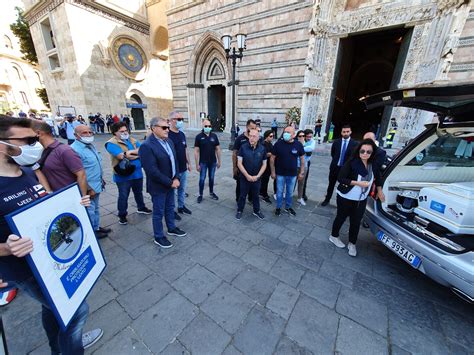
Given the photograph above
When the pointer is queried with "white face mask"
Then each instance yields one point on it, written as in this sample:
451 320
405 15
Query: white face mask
29 155
87 140
124 136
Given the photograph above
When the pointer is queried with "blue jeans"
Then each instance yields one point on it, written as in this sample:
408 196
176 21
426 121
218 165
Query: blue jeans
163 205
94 212
181 191
202 176
289 183
67 342
136 185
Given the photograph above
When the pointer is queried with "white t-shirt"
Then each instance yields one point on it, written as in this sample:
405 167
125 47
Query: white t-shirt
356 193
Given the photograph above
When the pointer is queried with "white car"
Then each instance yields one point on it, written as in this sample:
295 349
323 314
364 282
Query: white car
428 216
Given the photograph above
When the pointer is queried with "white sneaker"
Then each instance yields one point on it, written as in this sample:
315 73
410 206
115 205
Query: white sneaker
352 249
301 201
91 337
337 242
275 197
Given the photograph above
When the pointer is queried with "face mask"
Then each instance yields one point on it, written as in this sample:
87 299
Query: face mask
286 136
87 140
179 124
29 155
124 136
207 130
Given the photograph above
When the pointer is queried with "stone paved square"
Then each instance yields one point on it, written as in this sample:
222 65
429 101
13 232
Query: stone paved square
275 286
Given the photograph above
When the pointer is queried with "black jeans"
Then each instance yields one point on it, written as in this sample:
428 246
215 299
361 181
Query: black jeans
333 172
237 187
248 188
352 209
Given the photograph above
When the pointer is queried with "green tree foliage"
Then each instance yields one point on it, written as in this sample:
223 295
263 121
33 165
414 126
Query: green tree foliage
43 95
22 31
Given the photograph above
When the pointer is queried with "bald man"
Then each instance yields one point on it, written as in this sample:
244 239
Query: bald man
380 154
207 154
92 162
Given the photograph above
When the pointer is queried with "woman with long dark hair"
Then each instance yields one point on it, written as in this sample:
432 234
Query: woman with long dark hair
355 179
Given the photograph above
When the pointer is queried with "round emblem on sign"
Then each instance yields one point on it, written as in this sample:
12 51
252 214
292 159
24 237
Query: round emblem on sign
129 57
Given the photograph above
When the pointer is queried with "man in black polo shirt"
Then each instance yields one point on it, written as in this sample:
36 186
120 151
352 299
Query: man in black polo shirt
184 164
284 168
252 162
207 154
244 137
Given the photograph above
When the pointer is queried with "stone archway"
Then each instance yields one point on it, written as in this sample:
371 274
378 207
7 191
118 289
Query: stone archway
207 69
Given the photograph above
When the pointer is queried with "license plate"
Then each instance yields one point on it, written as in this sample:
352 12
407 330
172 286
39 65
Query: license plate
401 251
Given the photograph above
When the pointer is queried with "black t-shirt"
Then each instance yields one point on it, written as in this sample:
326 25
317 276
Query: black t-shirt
179 140
239 141
15 193
287 155
207 147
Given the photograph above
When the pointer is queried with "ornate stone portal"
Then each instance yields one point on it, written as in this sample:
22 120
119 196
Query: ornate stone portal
436 25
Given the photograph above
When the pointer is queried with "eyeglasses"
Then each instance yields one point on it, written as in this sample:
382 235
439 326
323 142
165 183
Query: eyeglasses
363 151
207 126
29 140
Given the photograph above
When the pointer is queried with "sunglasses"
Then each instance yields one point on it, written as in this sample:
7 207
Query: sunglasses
363 151
207 126
28 140
164 127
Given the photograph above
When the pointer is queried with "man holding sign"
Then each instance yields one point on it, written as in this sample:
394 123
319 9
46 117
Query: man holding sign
19 147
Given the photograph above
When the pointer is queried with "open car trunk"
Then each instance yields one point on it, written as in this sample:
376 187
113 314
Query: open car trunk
429 186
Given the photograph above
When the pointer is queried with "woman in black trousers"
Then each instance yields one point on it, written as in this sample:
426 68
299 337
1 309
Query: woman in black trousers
267 143
355 179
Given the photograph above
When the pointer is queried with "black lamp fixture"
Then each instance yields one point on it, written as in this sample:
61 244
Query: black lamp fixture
233 54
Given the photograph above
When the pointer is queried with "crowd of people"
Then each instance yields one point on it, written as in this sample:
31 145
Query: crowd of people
31 154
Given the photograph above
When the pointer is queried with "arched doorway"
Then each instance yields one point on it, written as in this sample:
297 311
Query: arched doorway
137 113
207 83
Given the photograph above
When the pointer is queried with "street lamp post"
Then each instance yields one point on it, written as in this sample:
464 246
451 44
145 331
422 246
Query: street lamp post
226 40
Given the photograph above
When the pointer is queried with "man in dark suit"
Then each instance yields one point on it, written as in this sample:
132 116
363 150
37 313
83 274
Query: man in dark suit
341 151
159 161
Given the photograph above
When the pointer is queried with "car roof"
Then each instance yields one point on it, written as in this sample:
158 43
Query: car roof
455 101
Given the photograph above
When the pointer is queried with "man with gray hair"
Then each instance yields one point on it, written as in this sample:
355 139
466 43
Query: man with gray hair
184 164
158 156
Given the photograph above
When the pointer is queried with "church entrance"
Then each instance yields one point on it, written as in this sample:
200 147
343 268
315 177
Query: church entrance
367 64
216 106
137 113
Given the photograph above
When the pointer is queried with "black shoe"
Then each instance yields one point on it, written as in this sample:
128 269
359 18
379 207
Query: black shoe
325 203
184 210
290 211
144 210
277 211
259 215
163 242
177 216
186 194
177 232
213 196
123 220
305 198
267 200
100 235
238 215
199 199
104 230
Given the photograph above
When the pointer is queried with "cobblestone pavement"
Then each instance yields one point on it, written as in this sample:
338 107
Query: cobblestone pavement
254 287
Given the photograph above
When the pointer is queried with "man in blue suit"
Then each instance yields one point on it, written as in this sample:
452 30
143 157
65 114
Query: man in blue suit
158 157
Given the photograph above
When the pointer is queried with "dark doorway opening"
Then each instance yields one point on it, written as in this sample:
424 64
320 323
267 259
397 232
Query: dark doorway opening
216 106
366 64
137 114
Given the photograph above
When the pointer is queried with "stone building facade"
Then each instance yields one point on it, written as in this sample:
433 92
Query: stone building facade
294 50
18 78
96 56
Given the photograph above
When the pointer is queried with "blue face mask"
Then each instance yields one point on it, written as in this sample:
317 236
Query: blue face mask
286 136
179 124
207 130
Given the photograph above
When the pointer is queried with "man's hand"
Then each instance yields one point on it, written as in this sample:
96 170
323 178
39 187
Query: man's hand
381 196
3 284
85 201
363 184
273 175
175 184
300 176
198 168
189 168
91 193
218 164
19 247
